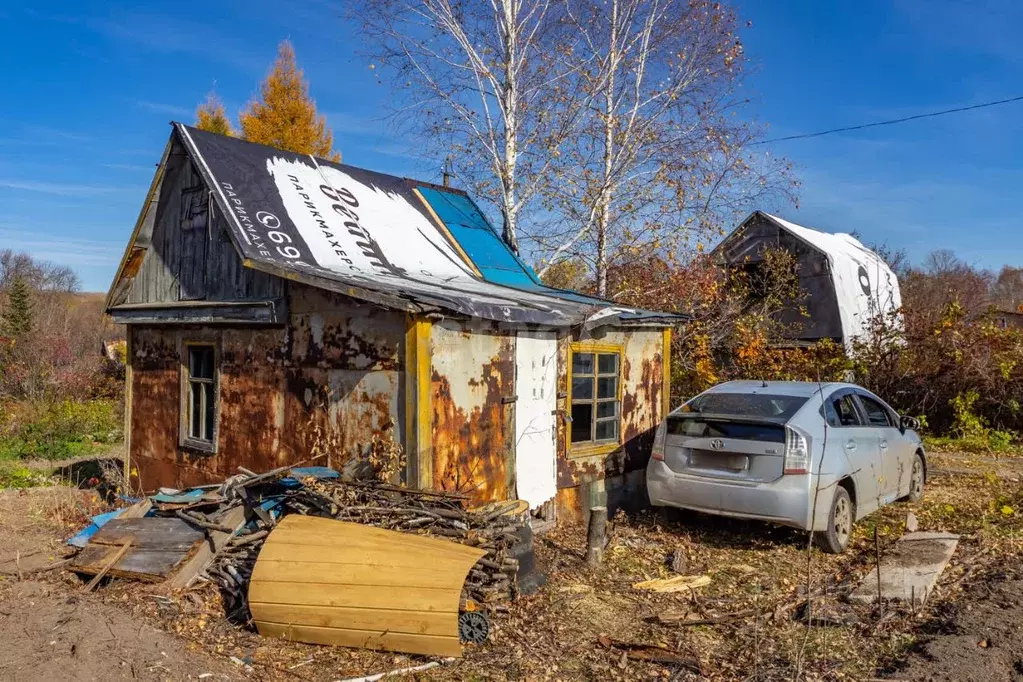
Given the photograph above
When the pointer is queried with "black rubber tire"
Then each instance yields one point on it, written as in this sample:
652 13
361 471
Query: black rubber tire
840 520
916 479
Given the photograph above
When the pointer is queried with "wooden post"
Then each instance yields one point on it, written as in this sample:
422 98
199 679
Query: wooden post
596 535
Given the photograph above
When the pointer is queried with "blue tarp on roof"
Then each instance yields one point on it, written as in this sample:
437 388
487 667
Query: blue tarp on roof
485 248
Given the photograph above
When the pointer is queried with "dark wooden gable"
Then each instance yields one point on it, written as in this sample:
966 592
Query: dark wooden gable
189 255
817 315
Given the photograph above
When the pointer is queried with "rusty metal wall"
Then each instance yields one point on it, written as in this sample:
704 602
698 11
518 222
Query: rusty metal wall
610 479
473 371
333 377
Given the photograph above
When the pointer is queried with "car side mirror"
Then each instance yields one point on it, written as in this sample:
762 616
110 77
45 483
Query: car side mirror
907 422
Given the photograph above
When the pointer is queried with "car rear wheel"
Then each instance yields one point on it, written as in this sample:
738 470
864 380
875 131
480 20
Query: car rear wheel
840 520
916 479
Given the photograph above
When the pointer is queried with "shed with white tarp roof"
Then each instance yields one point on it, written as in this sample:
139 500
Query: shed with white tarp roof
846 284
278 305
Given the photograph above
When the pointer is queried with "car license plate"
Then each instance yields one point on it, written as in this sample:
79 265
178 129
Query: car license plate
703 459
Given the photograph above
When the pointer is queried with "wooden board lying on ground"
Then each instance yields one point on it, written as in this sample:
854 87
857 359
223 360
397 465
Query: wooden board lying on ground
187 573
158 546
331 582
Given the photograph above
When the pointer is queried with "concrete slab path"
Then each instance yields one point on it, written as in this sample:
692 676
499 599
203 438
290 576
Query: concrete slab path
910 570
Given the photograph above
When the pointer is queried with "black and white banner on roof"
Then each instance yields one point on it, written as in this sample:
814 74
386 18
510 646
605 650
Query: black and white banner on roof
304 213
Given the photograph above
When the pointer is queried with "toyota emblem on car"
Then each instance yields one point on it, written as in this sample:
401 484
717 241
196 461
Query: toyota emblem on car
717 443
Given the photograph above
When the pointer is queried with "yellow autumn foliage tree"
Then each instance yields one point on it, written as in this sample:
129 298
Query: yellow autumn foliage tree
210 116
285 116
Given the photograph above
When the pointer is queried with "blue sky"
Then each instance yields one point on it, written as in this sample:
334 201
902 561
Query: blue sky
87 91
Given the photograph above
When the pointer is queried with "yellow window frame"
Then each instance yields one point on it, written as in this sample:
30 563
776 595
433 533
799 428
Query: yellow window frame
590 448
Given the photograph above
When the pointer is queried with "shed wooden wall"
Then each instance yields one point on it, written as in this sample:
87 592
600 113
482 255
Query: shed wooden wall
333 374
189 255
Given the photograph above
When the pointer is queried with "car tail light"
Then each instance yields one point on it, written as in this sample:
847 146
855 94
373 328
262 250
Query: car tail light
797 453
659 436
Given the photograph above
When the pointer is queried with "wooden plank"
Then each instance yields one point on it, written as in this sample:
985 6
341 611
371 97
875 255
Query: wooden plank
369 596
321 532
441 549
108 565
202 312
429 645
142 507
283 551
335 573
354 618
138 563
166 534
359 586
214 542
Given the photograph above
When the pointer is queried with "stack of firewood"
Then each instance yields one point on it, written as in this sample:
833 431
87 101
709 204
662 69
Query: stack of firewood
491 581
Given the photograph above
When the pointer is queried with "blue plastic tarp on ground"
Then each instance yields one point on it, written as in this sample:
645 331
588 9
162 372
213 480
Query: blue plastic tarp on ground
82 537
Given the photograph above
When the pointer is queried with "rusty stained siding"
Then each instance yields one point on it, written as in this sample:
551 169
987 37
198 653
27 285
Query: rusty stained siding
587 481
333 375
473 370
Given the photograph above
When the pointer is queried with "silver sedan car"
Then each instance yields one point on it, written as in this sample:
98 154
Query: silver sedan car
813 456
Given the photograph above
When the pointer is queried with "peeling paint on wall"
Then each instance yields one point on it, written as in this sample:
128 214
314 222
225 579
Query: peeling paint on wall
333 374
472 372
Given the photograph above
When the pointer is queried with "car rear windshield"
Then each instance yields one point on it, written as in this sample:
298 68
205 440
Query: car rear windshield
779 408
694 426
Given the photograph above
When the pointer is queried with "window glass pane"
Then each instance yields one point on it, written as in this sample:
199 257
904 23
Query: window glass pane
782 407
608 363
582 363
830 415
208 389
607 387
582 388
846 410
200 362
194 413
582 422
876 414
607 430
608 409
207 363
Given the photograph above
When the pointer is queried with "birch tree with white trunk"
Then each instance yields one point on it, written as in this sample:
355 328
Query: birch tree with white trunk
483 84
661 159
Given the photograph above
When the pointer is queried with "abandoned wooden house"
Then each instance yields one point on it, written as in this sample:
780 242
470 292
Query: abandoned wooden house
280 306
845 284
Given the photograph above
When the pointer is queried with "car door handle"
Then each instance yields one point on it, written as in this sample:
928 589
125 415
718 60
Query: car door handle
851 445
884 445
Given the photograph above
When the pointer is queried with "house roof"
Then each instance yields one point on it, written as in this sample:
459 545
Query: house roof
864 283
394 241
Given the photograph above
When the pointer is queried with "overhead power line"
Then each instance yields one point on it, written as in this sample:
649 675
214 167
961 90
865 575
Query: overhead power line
893 121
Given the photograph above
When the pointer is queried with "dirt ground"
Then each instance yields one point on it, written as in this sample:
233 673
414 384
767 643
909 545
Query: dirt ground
751 622
54 631
979 638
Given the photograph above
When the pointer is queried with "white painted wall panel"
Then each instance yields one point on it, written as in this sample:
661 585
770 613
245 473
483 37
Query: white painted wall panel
536 384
